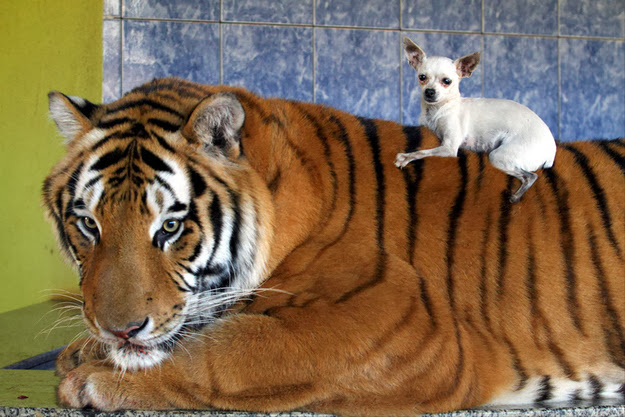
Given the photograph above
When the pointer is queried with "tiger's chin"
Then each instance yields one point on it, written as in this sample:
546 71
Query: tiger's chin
132 357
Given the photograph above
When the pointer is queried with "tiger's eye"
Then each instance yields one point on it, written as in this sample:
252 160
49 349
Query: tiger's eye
89 223
170 226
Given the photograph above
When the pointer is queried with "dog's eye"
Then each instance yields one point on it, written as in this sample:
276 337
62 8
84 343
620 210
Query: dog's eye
422 77
446 81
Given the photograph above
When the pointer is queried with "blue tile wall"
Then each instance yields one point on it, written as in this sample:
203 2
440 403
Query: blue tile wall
521 16
366 87
363 13
154 49
593 88
565 59
270 60
168 9
269 11
448 15
525 70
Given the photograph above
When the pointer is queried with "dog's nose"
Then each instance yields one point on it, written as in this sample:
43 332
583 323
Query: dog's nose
430 93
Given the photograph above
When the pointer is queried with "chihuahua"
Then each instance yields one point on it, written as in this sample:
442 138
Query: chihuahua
517 141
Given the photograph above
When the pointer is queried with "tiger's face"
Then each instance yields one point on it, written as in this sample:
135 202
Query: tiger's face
168 227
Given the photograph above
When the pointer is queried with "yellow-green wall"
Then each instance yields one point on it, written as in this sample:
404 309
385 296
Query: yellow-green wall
44 45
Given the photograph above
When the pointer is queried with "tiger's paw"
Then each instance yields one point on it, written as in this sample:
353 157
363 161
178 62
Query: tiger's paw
100 386
78 353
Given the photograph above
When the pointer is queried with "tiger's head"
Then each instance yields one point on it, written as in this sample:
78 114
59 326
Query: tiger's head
160 212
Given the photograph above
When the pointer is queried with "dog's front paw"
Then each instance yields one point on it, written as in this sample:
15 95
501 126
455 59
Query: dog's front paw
78 353
403 159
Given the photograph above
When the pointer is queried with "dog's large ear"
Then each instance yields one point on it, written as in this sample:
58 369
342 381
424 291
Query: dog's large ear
215 124
467 64
416 56
71 114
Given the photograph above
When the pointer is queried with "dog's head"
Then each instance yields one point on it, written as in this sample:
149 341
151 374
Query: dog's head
439 77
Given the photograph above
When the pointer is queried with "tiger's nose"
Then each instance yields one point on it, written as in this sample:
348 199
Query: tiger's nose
131 329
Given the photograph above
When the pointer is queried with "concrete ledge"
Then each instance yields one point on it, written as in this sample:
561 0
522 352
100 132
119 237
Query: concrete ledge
590 411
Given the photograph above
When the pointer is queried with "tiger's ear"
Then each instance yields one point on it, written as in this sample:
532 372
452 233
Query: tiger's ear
216 124
71 114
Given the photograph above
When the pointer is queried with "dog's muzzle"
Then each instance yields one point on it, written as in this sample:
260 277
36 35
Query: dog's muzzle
429 94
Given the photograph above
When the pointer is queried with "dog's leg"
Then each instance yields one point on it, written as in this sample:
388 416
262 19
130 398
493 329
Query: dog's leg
403 159
527 179
500 158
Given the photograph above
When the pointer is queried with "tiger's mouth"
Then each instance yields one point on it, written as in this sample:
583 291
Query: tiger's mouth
134 355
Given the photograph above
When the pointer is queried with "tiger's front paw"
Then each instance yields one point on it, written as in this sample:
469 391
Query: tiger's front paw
103 387
78 353
89 385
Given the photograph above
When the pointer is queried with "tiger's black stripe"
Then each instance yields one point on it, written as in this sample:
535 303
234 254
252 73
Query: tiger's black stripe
559 355
617 352
545 391
124 134
144 102
598 193
567 244
154 162
412 179
615 156
197 182
483 287
517 365
216 219
597 387
92 181
235 235
480 173
161 141
452 230
164 124
114 122
530 282
371 135
326 153
343 138
504 222
108 159
426 301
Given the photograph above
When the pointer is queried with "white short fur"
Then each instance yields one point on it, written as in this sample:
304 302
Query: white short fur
517 140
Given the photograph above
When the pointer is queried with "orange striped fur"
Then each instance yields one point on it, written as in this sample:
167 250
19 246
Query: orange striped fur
386 291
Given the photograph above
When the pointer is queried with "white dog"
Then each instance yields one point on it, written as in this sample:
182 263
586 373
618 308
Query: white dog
517 140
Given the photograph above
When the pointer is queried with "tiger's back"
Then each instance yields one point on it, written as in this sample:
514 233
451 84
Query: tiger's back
401 291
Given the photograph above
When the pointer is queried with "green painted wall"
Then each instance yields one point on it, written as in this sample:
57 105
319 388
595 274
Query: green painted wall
44 45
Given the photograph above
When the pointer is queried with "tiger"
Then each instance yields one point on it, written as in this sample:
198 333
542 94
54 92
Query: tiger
262 254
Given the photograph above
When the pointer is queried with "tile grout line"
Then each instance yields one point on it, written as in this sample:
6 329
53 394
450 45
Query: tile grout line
482 46
221 43
401 61
122 39
314 51
559 105
373 28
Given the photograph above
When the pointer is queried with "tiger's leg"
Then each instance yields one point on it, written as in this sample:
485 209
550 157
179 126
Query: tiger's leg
305 356
81 351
